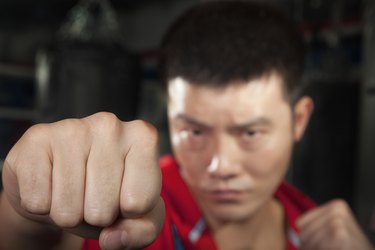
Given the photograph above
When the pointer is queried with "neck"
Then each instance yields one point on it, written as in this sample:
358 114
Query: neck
254 232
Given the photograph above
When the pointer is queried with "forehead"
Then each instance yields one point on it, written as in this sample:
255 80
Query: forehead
259 88
240 100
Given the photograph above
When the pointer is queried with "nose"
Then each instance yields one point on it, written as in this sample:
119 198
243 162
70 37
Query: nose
224 163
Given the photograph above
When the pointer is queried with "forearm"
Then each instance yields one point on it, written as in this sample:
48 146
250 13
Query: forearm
17 232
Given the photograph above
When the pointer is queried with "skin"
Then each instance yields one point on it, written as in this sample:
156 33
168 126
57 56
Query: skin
332 226
99 177
86 177
233 157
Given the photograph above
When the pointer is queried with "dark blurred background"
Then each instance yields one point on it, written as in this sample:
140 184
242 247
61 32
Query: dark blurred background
69 58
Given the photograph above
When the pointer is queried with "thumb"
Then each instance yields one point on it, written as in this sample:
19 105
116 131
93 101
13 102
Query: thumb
130 233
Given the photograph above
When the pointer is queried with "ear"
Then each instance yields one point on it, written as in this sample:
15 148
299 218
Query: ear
302 112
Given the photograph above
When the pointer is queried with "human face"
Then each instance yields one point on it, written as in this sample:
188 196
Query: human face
233 144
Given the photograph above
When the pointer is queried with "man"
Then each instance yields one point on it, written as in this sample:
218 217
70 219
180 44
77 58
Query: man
232 79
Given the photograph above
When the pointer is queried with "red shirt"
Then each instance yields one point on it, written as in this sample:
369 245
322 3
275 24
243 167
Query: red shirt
184 226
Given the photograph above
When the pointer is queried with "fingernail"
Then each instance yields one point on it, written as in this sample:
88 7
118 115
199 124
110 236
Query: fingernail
116 240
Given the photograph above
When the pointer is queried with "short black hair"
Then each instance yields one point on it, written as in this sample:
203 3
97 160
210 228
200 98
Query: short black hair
220 42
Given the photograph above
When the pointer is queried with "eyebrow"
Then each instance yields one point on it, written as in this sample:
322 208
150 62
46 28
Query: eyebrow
191 120
259 121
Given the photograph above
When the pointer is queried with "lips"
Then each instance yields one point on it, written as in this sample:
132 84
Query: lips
225 195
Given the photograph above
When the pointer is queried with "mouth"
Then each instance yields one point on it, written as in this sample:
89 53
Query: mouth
225 195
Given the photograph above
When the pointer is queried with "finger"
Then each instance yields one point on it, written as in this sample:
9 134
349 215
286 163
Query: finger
310 216
141 184
27 173
313 237
68 177
315 222
134 233
104 172
336 205
324 225
331 235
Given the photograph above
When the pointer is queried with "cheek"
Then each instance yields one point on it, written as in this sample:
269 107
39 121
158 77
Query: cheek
191 169
192 164
272 161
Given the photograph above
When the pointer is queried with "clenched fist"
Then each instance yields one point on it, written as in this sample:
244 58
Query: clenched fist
85 175
332 227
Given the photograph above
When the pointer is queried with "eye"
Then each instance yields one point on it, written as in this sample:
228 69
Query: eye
195 132
253 138
193 138
249 133
192 134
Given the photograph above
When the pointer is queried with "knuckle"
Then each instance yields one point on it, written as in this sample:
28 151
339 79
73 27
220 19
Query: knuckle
339 208
71 129
339 204
146 130
103 121
66 219
35 205
135 206
107 118
97 217
35 133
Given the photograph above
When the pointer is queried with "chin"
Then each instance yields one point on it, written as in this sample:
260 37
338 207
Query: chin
231 213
